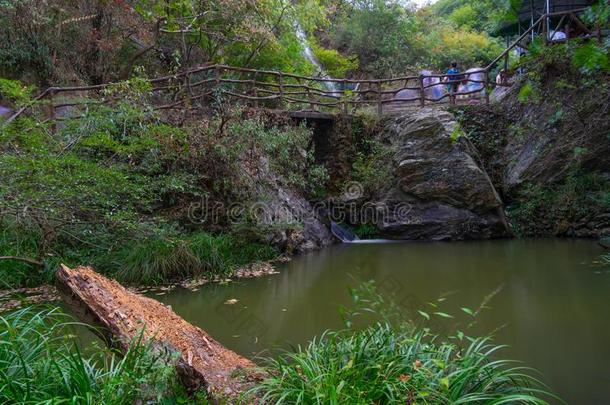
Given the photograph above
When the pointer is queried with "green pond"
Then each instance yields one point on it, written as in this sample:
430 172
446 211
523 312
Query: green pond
549 302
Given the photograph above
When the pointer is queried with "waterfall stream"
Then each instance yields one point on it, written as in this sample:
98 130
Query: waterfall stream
308 53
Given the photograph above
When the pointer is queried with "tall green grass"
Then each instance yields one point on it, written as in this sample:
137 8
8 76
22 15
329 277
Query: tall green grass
40 362
397 360
382 365
160 257
160 260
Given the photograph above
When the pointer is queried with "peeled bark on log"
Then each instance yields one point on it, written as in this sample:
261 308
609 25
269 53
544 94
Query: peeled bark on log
124 315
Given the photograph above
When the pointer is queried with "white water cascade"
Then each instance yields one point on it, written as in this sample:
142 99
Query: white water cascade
308 53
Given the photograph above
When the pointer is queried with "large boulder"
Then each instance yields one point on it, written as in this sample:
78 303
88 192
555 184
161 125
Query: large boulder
436 189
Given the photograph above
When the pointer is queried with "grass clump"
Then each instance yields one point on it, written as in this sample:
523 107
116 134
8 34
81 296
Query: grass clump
40 362
159 260
397 360
382 364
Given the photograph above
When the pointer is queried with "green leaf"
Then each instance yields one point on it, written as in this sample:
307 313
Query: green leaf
439 363
425 315
468 311
443 315
340 386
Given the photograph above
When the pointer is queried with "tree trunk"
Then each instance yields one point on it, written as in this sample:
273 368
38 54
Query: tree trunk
202 363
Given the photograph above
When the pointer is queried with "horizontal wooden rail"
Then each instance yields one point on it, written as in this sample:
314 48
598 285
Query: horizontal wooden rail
194 87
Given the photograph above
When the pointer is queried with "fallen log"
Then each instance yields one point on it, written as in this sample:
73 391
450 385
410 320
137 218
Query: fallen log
124 315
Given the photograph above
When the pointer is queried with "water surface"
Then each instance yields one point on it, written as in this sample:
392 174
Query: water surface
552 304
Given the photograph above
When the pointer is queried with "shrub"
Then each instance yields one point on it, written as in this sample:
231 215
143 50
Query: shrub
132 181
14 91
335 64
370 167
528 93
591 58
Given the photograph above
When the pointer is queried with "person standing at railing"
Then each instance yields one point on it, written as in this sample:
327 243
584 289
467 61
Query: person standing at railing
453 80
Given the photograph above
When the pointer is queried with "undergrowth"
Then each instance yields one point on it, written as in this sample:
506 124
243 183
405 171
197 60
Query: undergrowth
40 362
140 198
558 209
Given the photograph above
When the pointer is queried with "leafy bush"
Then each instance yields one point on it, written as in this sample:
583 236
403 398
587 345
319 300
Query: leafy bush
335 64
591 58
528 93
132 182
370 167
14 91
40 362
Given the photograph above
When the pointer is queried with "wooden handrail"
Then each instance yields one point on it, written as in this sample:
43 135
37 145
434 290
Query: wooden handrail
516 42
260 85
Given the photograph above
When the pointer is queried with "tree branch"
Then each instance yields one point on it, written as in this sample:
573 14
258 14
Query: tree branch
24 260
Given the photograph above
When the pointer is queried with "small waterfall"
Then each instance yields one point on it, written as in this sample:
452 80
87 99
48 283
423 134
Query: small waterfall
342 234
308 53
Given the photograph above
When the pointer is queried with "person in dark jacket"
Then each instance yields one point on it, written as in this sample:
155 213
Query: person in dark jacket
453 81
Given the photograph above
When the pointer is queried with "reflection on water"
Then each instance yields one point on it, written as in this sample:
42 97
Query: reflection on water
552 308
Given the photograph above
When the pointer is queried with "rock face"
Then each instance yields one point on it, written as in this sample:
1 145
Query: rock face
549 156
436 190
293 223
552 136
285 207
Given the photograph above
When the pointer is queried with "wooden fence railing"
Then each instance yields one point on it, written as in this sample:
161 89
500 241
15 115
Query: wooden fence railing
205 85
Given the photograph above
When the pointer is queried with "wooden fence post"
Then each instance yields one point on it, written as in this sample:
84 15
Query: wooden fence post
255 89
281 83
345 102
452 93
312 105
486 86
422 91
52 115
379 99
545 24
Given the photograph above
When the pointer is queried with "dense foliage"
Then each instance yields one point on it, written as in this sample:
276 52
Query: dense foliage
389 38
118 189
482 15
67 42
